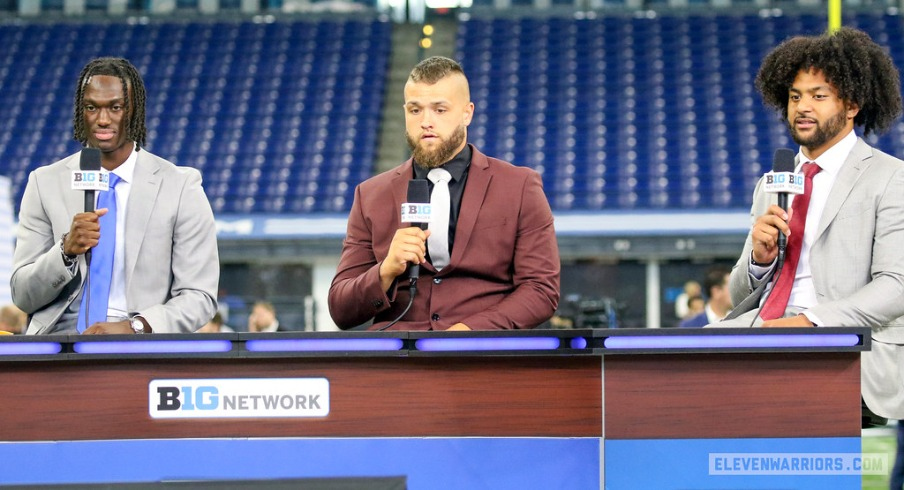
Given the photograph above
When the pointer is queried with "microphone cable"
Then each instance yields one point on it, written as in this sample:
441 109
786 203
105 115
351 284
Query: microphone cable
412 288
774 280
87 289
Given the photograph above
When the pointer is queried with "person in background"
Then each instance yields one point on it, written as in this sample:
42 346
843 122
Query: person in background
215 325
263 318
718 302
12 319
691 289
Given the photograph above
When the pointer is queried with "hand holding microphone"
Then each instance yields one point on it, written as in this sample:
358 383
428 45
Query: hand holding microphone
408 248
770 232
84 232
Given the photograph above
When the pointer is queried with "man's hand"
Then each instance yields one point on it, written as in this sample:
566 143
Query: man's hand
409 245
84 232
458 326
124 326
765 234
791 321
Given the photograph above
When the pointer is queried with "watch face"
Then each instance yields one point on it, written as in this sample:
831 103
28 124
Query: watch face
137 326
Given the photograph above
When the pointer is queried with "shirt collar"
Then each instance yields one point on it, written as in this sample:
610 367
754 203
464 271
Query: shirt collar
456 166
833 158
126 171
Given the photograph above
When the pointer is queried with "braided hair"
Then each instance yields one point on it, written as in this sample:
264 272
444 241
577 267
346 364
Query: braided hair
861 71
133 92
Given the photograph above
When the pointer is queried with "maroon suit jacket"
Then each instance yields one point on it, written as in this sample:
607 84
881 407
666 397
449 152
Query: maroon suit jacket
504 269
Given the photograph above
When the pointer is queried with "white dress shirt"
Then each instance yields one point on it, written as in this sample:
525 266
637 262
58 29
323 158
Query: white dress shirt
117 307
803 293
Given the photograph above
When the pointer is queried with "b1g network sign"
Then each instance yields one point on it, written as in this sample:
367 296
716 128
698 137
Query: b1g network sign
231 398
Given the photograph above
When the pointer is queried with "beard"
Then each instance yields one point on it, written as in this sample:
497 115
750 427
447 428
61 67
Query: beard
431 159
822 135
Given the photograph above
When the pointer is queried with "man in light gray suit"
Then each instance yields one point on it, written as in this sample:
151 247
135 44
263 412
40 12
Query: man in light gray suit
850 270
165 267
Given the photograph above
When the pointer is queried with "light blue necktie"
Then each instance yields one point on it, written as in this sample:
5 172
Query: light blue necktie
101 271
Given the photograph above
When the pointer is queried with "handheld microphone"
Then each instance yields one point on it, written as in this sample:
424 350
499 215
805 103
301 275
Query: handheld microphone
417 212
90 179
783 181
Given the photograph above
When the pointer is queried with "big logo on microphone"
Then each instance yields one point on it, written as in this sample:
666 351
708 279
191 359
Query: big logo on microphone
416 212
789 182
90 180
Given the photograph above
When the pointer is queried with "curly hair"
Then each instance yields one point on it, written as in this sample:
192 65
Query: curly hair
861 71
133 91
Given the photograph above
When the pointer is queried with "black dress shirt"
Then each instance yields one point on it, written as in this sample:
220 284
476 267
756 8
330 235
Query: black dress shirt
458 167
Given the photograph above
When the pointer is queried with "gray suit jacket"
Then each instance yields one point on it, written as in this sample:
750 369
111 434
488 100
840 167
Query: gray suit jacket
857 259
171 259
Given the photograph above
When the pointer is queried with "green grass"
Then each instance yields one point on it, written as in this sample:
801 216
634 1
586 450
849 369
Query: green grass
881 441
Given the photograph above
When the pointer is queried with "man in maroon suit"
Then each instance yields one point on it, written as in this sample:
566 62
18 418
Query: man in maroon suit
498 265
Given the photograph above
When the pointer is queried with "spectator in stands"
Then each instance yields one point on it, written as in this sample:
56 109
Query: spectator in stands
158 268
718 302
848 236
499 266
216 325
263 318
682 301
12 319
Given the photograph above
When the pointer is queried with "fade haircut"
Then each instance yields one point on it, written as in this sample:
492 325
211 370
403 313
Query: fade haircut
434 69
861 71
133 92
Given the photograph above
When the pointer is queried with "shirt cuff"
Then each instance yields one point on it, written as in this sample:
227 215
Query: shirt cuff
758 271
813 318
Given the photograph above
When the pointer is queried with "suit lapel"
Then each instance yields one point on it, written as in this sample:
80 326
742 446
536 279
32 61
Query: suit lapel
142 199
854 166
479 178
75 200
403 174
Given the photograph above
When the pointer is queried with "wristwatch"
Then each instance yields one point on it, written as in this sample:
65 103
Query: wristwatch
137 324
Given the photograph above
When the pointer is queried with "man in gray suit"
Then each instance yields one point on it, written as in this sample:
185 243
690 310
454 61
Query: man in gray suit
850 270
164 268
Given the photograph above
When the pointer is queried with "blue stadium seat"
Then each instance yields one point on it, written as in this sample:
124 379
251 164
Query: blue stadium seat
633 113
244 102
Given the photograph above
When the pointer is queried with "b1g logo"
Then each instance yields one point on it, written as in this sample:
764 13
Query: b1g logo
200 398
217 398
785 178
100 177
416 212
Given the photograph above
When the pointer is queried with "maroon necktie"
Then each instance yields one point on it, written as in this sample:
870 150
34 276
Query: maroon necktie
778 300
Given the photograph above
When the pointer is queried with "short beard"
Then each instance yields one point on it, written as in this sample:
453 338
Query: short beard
822 135
443 153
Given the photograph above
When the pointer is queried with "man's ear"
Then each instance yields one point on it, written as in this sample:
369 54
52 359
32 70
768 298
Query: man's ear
468 114
852 110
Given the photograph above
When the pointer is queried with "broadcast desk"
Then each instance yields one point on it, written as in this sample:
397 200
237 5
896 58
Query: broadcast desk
607 408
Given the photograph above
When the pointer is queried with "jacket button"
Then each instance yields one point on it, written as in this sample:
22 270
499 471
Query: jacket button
377 303
435 317
437 280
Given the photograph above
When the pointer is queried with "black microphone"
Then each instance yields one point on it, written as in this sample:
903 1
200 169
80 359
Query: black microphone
782 165
89 161
418 193
781 180
417 212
